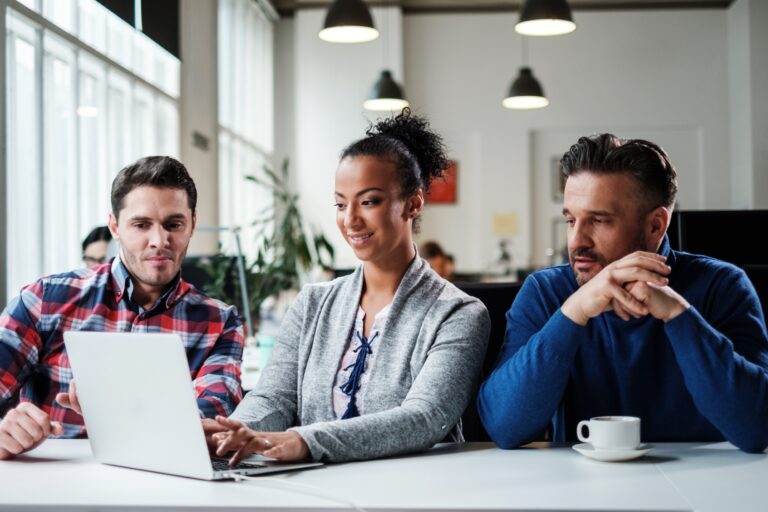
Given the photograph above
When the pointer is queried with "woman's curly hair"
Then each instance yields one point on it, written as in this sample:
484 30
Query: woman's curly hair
406 140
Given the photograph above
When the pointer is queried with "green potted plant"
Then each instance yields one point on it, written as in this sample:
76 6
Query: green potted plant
287 249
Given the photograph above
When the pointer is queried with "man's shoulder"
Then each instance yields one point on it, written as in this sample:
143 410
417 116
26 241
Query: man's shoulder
703 262
557 275
548 287
82 279
699 268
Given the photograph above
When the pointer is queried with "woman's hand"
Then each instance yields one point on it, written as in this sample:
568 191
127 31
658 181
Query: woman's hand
283 446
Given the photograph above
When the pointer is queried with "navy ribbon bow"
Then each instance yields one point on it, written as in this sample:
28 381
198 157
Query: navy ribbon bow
350 387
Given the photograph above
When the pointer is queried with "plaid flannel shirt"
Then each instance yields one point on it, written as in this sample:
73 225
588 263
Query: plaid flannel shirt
34 366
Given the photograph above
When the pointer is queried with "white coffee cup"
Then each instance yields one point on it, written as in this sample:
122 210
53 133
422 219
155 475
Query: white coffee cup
611 432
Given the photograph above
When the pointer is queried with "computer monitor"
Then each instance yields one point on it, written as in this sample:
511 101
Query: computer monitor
728 235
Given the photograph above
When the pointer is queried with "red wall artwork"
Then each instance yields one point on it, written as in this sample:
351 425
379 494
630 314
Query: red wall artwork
443 190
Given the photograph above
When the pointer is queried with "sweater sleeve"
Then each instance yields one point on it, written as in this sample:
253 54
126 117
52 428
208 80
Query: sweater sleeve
520 397
724 361
272 405
437 398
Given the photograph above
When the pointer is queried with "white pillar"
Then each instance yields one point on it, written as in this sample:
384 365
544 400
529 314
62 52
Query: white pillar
748 103
198 112
3 160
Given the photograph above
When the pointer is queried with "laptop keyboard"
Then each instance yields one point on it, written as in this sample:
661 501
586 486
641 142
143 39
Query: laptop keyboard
223 465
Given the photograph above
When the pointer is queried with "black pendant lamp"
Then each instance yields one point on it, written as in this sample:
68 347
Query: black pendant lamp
386 94
348 21
545 18
525 93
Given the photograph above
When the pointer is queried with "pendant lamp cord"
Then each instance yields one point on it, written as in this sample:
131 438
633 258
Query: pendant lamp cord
524 48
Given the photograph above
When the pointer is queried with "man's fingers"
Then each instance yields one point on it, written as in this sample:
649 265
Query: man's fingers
57 429
22 436
630 304
27 424
33 411
73 400
631 274
653 263
619 310
9 445
63 400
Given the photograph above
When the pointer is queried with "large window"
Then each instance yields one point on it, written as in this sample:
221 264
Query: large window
87 94
245 111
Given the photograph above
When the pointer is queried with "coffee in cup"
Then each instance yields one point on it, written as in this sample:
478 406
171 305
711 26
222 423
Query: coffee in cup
610 432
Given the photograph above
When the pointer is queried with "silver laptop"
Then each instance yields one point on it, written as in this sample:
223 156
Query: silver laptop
140 409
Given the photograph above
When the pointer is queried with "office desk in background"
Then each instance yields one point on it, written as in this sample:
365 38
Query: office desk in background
703 477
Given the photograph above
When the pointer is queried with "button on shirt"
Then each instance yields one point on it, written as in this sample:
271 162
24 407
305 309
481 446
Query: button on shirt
34 366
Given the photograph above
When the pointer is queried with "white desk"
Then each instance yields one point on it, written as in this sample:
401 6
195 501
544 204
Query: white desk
705 477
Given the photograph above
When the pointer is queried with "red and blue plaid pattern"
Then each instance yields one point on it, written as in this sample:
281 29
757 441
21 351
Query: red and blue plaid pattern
34 366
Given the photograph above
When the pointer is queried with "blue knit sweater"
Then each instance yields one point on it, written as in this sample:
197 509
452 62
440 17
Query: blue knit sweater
703 376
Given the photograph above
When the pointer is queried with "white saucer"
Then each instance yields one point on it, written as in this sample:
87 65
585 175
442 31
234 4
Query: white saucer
587 450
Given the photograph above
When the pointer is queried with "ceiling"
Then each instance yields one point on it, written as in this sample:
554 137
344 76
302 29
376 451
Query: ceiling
287 7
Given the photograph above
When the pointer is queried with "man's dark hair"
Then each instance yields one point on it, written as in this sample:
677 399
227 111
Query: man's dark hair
155 171
645 161
97 234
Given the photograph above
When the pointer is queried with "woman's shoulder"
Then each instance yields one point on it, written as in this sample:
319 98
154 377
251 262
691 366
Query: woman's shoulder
452 293
447 295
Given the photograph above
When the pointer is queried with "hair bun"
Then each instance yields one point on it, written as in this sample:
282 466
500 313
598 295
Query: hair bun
414 133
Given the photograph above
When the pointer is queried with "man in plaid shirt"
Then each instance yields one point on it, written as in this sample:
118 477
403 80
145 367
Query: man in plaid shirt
153 217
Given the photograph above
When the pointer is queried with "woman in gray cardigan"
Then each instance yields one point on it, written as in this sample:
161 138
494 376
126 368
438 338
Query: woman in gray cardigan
380 362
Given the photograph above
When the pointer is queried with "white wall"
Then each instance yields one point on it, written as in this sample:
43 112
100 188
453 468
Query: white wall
3 167
739 94
666 75
661 73
198 112
331 81
284 91
749 101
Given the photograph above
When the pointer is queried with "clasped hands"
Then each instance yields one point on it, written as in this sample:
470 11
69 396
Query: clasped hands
633 286
227 436
26 426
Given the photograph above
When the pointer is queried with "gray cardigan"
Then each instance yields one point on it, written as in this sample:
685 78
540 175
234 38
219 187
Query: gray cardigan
424 374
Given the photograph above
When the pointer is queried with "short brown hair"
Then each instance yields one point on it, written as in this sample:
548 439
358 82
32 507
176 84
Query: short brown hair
155 171
645 161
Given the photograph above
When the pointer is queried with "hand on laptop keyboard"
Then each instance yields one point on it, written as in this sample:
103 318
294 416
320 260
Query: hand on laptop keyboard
283 446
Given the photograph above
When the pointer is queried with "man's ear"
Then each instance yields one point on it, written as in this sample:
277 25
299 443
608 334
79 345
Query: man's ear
194 221
112 224
656 224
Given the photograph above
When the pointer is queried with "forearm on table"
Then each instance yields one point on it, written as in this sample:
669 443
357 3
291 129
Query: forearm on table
519 399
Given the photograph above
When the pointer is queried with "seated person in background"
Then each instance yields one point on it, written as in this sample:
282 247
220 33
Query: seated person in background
95 246
153 217
436 257
630 327
450 267
382 361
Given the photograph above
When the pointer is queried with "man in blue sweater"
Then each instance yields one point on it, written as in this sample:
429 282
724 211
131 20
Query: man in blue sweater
630 327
